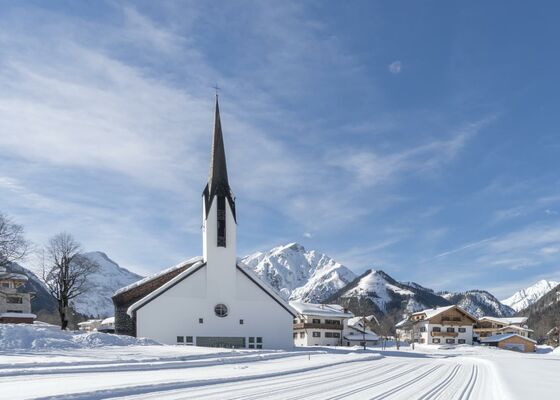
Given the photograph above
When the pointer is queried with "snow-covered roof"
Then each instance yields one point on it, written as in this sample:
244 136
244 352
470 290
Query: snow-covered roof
432 312
402 323
147 279
357 325
108 321
507 321
515 327
90 322
17 315
323 310
13 276
499 338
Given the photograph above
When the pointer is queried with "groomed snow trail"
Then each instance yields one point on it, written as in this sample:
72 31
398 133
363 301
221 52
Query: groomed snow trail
375 380
293 378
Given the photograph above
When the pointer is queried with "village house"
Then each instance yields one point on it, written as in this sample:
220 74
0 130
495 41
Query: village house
319 324
90 325
213 300
510 341
491 326
442 325
15 305
357 332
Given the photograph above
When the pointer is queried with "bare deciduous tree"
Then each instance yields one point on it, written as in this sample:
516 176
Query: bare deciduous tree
13 246
66 271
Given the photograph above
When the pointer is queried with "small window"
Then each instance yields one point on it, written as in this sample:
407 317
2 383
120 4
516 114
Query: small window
259 340
259 346
336 335
436 340
251 346
462 330
316 321
295 335
436 329
422 329
240 322
14 300
201 320
450 341
189 339
450 330
316 334
329 334
461 341
251 340
302 335
180 339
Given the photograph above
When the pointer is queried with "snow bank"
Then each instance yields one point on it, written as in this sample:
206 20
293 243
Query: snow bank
30 337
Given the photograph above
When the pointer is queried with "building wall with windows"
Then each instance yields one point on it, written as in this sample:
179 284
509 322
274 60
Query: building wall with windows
444 334
439 326
319 324
15 306
186 315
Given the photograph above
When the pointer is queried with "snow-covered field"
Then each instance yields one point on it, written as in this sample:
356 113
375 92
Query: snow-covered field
90 369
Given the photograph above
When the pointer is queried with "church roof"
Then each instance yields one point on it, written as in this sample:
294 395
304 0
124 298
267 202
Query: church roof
195 267
142 287
218 184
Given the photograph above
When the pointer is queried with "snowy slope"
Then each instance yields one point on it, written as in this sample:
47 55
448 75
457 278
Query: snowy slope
525 297
479 303
103 283
298 274
375 291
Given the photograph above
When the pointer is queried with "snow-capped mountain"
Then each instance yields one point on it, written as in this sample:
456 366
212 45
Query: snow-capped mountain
96 302
479 303
298 274
376 292
543 313
525 297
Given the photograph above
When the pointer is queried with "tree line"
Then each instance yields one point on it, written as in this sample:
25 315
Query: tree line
64 267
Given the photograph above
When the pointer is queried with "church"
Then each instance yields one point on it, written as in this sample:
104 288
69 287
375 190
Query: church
213 300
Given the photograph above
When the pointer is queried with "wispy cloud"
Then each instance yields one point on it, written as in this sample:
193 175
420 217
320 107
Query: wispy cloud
395 67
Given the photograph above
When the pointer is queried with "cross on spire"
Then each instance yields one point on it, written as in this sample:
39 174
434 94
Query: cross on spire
216 87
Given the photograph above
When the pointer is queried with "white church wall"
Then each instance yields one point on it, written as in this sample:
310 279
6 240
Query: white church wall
176 312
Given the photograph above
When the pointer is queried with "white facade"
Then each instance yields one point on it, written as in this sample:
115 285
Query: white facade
319 324
428 333
186 310
449 325
217 301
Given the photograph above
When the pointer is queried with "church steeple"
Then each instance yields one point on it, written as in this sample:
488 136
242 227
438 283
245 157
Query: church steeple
218 184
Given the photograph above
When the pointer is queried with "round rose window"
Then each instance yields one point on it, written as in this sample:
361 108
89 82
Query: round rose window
221 310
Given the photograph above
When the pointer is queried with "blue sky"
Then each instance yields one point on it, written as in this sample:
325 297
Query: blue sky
420 138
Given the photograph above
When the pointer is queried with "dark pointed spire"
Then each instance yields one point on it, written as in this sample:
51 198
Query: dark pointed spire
217 178
218 184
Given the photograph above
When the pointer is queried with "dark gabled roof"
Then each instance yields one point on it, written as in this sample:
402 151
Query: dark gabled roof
139 289
195 267
218 184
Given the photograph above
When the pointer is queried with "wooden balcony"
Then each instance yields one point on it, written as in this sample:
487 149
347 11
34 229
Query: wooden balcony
445 334
309 325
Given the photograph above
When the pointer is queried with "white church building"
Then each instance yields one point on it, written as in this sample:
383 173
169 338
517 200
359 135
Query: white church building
212 300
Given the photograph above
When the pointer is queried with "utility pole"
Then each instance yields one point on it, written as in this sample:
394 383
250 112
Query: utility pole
364 329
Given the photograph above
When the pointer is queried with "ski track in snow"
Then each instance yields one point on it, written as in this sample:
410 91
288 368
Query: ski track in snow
372 378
